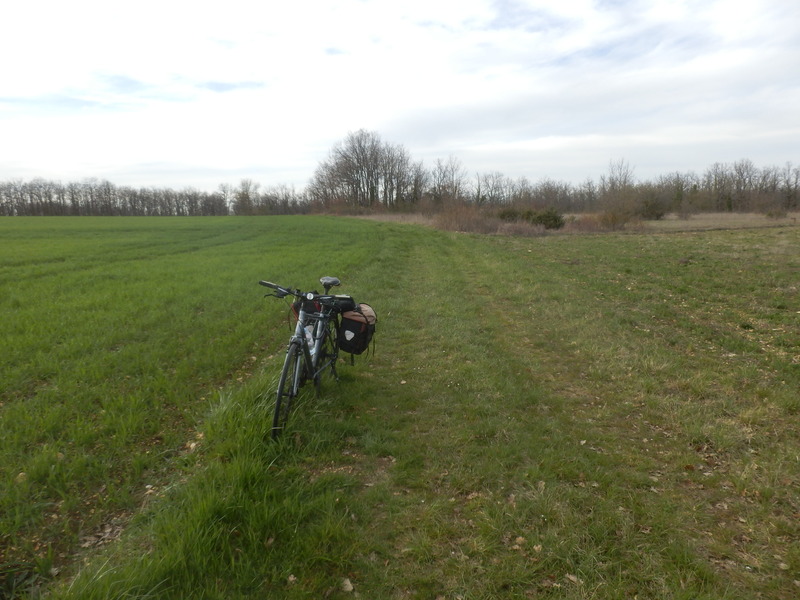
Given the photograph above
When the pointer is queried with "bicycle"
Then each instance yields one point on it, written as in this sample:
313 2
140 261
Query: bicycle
314 345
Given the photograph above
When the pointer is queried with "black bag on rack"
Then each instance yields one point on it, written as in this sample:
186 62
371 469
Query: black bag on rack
356 329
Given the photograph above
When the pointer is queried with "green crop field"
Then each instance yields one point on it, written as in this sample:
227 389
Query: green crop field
600 416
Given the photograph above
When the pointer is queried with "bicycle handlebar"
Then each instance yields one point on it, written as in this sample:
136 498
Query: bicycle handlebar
282 291
326 299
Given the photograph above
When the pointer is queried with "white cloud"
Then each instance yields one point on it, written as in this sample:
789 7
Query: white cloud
263 90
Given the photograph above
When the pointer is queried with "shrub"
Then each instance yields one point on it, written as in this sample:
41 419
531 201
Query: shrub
549 218
777 212
615 218
508 214
652 208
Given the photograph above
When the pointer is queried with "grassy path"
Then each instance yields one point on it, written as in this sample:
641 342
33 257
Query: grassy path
593 417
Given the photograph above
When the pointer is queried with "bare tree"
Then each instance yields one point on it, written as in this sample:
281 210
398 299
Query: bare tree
548 193
745 175
790 185
245 197
619 177
447 180
586 196
419 182
617 194
491 188
718 185
363 171
225 192
397 176
520 191
678 192
357 163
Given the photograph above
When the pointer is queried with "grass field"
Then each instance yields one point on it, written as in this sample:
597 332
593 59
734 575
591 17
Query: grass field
608 416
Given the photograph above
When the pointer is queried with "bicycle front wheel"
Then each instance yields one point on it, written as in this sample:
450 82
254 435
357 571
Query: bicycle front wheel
288 387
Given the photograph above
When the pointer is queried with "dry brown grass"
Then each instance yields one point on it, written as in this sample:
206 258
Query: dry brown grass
520 229
472 219
710 221
465 218
410 218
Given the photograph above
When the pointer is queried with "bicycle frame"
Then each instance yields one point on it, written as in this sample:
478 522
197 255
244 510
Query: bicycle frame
311 354
312 348
303 319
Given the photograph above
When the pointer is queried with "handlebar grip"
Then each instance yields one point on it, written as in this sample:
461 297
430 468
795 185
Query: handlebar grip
268 284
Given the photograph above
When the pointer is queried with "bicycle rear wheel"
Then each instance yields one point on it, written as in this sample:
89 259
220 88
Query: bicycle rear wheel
329 353
288 387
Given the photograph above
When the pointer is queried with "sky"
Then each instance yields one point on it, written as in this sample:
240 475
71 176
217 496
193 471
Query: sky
174 93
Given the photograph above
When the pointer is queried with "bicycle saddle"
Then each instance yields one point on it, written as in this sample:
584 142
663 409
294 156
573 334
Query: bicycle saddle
329 282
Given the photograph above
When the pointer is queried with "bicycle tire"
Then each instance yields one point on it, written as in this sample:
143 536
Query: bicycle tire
329 353
288 387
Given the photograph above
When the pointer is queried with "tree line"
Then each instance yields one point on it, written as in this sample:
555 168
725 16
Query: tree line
363 173
93 197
